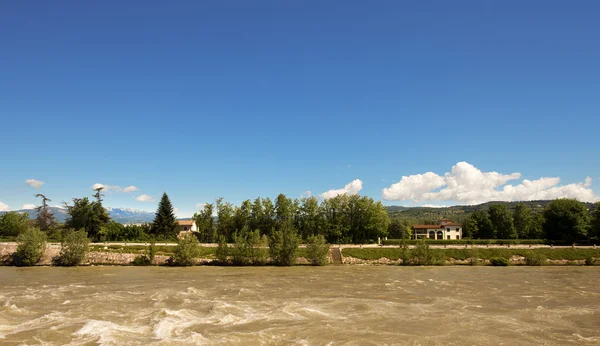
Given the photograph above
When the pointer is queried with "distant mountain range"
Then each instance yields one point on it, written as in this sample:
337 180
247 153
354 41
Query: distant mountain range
122 215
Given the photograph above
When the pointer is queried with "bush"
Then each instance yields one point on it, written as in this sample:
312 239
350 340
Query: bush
499 261
73 248
188 248
317 250
283 245
222 250
534 258
32 243
590 261
422 255
147 258
473 257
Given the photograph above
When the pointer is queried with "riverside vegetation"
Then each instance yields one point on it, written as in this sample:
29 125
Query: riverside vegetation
263 231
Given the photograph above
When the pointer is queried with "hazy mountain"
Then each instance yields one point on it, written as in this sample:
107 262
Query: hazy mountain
122 215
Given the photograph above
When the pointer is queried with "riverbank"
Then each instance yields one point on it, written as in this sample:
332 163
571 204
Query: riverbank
124 255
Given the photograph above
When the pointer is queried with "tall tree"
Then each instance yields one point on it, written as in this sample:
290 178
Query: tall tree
284 209
566 220
45 218
165 223
522 217
225 221
79 214
206 224
99 217
256 215
502 222
483 226
595 222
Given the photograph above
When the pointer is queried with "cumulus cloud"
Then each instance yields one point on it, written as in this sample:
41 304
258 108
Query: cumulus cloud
200 206
4 207
130 189
28 206
144 198
114 188
467 184
36 184
306 193
350 189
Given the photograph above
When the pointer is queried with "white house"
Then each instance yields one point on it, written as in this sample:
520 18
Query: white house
446 230
187 227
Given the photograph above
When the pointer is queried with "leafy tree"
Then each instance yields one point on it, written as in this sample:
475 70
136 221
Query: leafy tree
13 223
595 222
284 209
536 230
30 248
502 222
256 214
98 217
283 245
483 226
186 250
45 219
268 221
317 250
222 250
522 217
206 224
310 217
73 248
566 220
225 220
241 217
165 224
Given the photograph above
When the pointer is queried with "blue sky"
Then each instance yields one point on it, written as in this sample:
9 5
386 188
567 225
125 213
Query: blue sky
241 99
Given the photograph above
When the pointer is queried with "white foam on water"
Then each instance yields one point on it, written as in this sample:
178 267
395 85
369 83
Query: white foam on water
66 302
171 324
106 332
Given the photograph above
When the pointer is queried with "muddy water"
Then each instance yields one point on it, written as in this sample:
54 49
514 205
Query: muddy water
347 305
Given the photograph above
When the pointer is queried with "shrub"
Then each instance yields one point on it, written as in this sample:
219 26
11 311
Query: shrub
73 248
147 258
32 243
283 245
317 250
473 256
188 248
222 250
535 258
590 261
499 261
423 255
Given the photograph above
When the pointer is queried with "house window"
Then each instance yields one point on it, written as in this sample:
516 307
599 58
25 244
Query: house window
185 228
457 237
448 229
448 237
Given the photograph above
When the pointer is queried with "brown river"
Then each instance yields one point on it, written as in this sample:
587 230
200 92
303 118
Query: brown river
335 305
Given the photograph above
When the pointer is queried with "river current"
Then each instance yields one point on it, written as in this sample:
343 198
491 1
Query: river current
336 305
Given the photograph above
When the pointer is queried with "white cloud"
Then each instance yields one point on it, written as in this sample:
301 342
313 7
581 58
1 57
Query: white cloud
4 207
130 189
200 206
107 188
306 193
36 184
467 184
28 206
350 189
144 198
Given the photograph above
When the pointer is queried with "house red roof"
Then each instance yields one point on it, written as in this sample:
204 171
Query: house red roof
185 222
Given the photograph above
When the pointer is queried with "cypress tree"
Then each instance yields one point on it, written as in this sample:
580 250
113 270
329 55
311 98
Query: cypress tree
165 224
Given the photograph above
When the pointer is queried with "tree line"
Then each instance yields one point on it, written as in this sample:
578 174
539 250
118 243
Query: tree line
342 219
